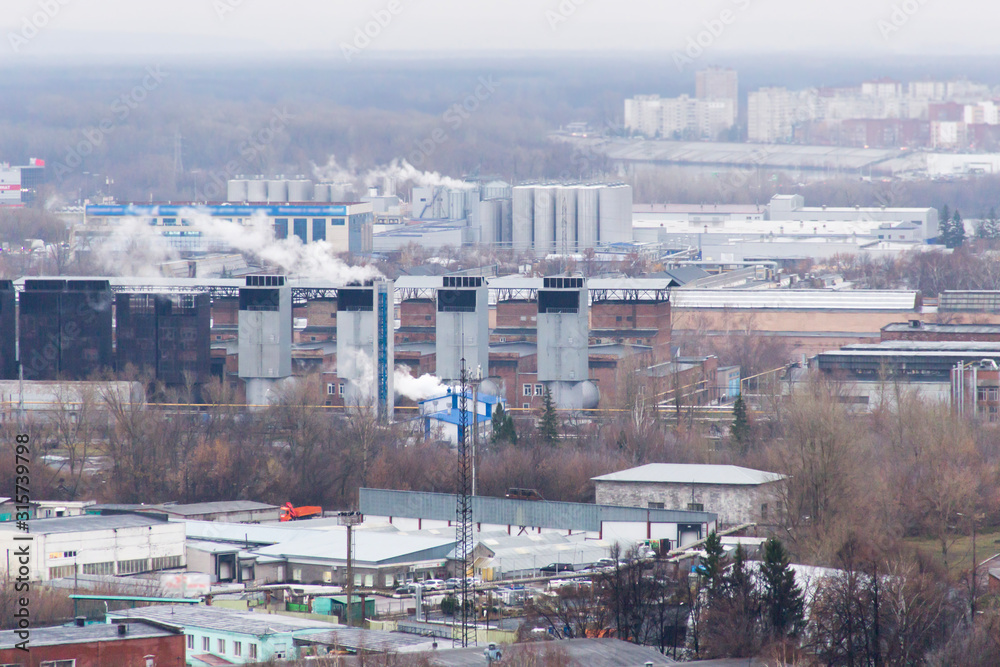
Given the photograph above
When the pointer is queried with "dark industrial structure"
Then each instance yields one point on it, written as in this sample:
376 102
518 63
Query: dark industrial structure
165 335
8 331
65 329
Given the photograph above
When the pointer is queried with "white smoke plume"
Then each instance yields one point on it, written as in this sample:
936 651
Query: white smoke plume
399 171
419 388
414 388
133 249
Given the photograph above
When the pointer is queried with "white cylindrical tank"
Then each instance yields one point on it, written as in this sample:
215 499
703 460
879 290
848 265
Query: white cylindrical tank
321 192
587 206
505 222
257 190
340 192
615 214
300 190
566 216
545 219
523 217
496 190
277 190
237 190
489 221
456 205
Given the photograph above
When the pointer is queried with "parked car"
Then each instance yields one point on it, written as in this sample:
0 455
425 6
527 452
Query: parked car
407 589
453 583
552 568
433 584
605 562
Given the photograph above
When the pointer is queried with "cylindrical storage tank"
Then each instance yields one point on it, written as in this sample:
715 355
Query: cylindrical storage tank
456 204
257 190
505 222
489 221
566 206
277 190
321 192
587 203
615 214
472 205
523 217
496 190
340 192
545 218
236 190
300 190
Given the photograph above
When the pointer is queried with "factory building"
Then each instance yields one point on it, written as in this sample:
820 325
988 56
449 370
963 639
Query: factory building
8 331
570 218
19 185
165 335
65 329
365 345
346 227
564 343
265 336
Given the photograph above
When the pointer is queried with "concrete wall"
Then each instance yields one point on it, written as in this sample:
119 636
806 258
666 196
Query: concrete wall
734 504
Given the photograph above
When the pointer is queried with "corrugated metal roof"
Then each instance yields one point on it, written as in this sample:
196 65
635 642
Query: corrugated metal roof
795 299
692 473
372 640
368 547
507 512
84 523
225 620
70 634
247 533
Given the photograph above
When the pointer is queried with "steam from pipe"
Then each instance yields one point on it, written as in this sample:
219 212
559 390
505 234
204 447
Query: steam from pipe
399 171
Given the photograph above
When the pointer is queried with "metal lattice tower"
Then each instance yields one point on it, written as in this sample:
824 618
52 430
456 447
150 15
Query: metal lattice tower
466 636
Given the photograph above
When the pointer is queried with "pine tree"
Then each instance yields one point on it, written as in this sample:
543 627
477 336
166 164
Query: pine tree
740 428
782 597
711 565
954 236
549 424
503 426
944 222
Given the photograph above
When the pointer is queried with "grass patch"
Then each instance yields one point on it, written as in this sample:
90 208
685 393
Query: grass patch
959 550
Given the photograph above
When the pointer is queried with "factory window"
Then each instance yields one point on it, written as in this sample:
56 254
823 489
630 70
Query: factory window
696 507
339 222
62 571
654 506
222 645
166 562
133 566
331 389
253 650
525 406
169 222
99 568
281 228
206 644
341 388
618 318
299 226
58 663
527 390
190 639
763 511
237 648
319 229
538 390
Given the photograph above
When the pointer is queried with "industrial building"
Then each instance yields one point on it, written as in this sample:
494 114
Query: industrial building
8 331
737 495
167 336
187 227
65 329
570 218
108 545
462 328
96 645
265 336
365 345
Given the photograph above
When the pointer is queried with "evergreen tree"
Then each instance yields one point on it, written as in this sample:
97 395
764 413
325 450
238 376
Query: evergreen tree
954 234
989 227
711 564
944 221
503 426
740 428
782 597
549 424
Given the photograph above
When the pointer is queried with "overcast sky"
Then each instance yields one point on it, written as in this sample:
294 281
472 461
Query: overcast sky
90 27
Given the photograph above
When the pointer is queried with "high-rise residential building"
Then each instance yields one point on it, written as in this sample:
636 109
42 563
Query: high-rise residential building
679 117
716 83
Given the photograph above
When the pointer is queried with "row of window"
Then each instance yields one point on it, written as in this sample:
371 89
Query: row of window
331 389
300 228
527 389
220 647
134 566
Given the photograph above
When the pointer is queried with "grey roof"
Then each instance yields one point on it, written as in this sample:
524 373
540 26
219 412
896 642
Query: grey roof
933 327
368 547
986 347
227 620
506 512
219 506
96 632
247 533
797 299
372 640
589 652
691 473
84 523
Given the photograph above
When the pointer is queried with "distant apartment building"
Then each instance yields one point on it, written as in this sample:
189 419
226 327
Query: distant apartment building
679 117
716 83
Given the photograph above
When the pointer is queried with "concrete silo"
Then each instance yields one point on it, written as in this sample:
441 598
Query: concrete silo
463 327
545 219
523 217
237 190
564 342
264 336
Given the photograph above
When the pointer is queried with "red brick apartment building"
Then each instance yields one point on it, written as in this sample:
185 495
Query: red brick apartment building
132 644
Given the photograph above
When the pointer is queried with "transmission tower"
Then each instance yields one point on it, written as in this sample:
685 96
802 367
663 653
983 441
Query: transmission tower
466 636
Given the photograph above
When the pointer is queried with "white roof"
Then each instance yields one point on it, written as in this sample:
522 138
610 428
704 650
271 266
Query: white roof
691 473
796 299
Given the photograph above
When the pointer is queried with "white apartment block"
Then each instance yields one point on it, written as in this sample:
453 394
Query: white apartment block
716 83
679 117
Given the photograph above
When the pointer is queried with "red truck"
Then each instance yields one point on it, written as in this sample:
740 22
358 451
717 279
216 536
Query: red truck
291 513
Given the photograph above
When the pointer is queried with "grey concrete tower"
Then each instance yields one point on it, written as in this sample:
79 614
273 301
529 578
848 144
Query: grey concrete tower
463 327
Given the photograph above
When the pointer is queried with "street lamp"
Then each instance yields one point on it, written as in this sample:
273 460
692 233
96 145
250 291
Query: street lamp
349 520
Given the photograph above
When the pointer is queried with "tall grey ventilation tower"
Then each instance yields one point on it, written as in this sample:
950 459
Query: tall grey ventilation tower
463 327
564 343
265 336
365 354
